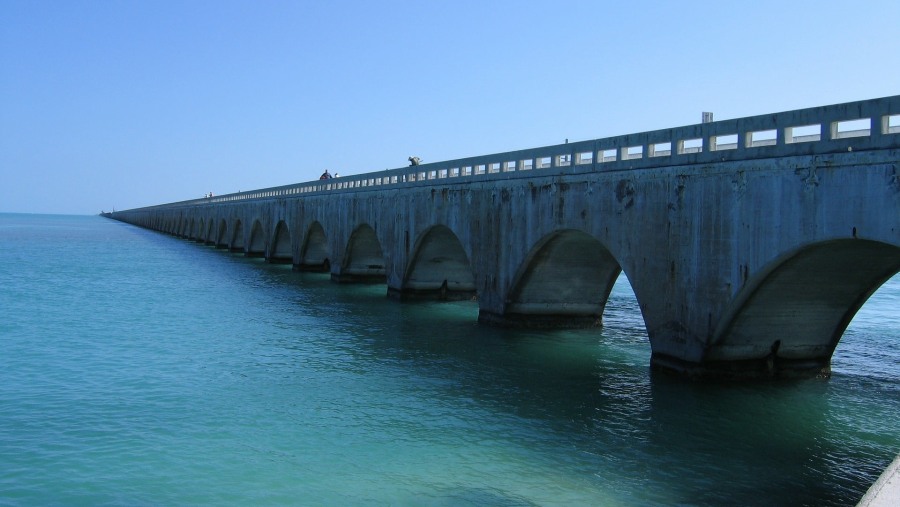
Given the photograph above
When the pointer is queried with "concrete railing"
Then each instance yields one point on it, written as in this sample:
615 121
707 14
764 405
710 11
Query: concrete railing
863 125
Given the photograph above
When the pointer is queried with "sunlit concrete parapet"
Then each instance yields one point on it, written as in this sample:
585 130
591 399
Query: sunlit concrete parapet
749 243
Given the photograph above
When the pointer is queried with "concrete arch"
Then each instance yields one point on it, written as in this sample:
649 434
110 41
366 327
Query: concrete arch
256 247
790 316
221 240
564 281
281 252
439 268
314 256
237 237
363 259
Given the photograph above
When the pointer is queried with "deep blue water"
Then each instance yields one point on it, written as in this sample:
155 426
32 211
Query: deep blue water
140 369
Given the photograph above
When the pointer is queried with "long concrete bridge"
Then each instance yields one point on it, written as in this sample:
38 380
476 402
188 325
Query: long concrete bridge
749 243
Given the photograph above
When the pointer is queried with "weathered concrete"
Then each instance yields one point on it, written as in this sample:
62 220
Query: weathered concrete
748 256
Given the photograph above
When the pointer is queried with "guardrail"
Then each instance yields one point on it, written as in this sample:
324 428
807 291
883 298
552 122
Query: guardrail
869 124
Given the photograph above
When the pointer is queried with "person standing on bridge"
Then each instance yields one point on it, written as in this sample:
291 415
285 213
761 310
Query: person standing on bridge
325 175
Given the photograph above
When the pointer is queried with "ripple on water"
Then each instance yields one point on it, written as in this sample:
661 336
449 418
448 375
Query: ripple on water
140 369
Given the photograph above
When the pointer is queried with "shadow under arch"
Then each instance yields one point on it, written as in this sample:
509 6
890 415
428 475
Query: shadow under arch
209 238
438 269
237 237
281 252
201 232
221 236
363 260
564 282
257 244
789 317
314 253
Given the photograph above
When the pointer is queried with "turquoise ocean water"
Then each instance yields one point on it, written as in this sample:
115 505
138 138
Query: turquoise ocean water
140 369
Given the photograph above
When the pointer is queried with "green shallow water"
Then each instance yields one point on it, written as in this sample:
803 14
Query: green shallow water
139 369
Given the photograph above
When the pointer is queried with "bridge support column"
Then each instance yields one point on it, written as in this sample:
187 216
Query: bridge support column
445 292
322 267
374 277
769 367
540 321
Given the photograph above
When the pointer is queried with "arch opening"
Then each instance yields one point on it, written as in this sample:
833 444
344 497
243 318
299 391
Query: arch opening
237 238
789 318
200 231
439 269
281 252
221 241
364 260
314 254
564 282
257 245
209 237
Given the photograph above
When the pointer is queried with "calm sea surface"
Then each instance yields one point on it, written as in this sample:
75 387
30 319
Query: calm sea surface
140 369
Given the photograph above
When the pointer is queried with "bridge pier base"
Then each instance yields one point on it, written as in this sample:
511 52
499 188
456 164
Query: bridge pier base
358 278
443 293
529 321
769 367
324 267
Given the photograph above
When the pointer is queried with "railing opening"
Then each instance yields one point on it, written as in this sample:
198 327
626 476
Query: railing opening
802 134
690 146
660 149
586 157
891 124
609 155
762 138
723 142
851 128
632 152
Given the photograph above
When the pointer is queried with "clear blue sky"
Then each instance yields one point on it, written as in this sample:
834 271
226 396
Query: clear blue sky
130 103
